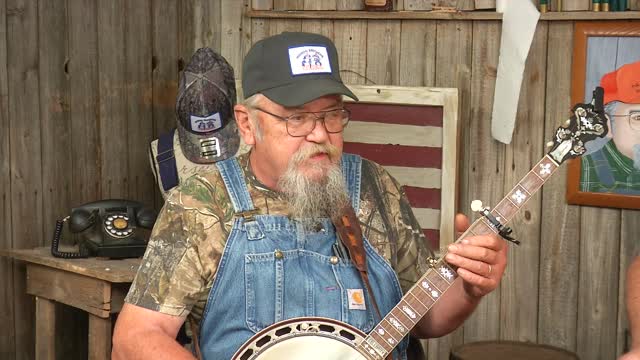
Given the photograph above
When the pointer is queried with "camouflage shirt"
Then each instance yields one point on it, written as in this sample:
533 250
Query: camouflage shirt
187 242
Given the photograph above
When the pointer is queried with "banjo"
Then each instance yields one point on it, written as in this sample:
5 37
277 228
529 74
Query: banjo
323 338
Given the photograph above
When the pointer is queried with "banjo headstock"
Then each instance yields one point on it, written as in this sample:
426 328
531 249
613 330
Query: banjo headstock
587 123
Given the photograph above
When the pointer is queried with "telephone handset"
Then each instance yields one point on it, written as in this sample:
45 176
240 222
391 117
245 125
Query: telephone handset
108 228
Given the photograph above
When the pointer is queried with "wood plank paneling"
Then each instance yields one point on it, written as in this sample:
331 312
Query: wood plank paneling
598 281
383 65
560 233
349 4
7 313
351 41
165 64
486 160
288 4
164 71
138 109
319 5
113 82
186 31
207 17
25 154
417 53
262 4
235 28
418 4
453 69
54 111
84 110
518 313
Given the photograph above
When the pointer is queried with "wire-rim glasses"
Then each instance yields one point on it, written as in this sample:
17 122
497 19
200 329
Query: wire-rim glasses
634 119
302 123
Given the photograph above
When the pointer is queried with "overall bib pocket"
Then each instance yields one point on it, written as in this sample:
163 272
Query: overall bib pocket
296 283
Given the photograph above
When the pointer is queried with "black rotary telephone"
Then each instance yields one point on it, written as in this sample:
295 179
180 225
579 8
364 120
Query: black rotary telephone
108 228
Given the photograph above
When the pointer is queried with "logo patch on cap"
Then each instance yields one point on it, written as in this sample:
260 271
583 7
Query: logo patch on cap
309 60
206 124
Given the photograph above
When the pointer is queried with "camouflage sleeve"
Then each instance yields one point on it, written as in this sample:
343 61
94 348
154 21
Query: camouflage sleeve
391 226
184 249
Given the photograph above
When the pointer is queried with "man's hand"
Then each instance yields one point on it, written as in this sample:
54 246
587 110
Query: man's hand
481 260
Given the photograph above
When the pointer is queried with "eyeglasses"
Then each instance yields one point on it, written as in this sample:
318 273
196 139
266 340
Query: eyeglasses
634 119
302 123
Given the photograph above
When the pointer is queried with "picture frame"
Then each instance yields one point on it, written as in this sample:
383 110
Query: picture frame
413 132
599 47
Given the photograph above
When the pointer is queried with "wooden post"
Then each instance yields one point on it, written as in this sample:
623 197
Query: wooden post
262 4
45 329
99 338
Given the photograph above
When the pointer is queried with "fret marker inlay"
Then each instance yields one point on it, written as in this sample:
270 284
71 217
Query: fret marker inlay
446 273
396 324
434 293
545 169
409 311
519 196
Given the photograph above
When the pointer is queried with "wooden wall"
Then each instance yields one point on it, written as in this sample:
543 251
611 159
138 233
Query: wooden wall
86 84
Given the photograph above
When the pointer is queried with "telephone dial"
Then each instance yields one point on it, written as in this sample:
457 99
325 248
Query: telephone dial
108 228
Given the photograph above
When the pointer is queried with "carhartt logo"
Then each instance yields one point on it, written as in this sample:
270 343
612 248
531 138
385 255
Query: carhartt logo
309 60
356 299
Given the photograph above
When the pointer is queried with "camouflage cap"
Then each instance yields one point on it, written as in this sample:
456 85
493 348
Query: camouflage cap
204 108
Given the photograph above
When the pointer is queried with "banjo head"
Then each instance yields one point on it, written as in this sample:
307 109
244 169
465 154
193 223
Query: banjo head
304 338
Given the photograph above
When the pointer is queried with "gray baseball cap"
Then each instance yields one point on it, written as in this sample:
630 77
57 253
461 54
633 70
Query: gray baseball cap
292 69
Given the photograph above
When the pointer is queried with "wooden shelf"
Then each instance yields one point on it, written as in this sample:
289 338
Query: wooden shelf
433 15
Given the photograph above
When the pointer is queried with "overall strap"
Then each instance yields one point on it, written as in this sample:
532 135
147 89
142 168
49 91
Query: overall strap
352 172
348 229
348 226
233 178
167 161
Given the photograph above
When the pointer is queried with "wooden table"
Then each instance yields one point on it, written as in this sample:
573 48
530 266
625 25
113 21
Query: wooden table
95 285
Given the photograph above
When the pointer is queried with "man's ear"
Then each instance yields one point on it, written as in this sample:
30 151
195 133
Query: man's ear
245 126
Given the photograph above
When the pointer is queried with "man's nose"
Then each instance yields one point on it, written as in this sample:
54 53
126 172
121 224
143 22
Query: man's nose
319 132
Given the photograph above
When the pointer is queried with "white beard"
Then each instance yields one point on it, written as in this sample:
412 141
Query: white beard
309 199
636 156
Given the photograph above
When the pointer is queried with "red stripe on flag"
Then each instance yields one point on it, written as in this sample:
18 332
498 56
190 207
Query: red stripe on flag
398 155
433 238
396 114
423 197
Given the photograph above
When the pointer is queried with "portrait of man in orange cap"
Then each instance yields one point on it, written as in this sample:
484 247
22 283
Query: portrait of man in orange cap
615 167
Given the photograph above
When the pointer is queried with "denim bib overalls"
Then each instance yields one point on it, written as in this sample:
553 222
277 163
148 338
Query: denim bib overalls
273 269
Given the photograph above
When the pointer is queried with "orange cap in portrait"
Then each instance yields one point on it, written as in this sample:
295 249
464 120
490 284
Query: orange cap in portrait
622 84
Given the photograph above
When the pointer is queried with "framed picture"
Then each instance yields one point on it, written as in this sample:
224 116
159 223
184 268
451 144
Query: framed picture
413 133
607 54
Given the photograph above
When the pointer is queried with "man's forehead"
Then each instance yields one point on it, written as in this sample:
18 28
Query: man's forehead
325 101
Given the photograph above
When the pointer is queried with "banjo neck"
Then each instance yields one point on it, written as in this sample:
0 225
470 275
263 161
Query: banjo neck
441 275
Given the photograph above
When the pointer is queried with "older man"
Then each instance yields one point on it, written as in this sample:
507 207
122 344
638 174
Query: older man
253 243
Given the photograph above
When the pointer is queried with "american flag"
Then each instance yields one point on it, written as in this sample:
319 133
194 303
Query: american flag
407 141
